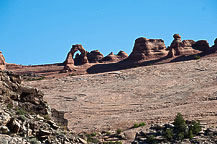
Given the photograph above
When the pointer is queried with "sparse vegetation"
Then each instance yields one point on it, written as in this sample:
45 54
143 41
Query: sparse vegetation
151 139
72 74
196 57
21 111
10 106
118 131
182 129
91 138
34 141
136 125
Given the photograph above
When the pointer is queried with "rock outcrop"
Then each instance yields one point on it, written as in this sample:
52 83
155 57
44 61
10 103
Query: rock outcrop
94 56
110 58
214 47
26 118
122 54
2 62
79 59
115 58
145 49
179 47
202 45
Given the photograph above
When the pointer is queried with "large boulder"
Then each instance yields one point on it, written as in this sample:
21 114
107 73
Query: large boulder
80 59
2 62
94 56
145 49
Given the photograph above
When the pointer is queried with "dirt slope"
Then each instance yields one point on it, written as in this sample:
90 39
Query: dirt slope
153 94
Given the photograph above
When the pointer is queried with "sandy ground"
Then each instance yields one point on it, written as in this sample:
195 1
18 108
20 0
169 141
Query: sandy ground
154 94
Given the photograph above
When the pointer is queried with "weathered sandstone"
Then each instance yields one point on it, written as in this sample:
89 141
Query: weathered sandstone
145 49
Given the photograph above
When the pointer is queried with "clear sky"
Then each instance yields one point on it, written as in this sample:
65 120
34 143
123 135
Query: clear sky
42 31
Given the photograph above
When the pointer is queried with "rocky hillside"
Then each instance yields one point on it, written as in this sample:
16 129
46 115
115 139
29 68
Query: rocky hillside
26 118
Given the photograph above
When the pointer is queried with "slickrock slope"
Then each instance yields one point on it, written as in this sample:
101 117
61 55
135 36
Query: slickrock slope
153 94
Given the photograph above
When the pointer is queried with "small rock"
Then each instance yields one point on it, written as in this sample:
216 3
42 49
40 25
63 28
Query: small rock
82 141
40 117
4 130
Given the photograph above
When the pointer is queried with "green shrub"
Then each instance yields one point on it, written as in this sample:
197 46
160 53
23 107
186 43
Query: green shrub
136 125
190 134
72 74
34 141
90 139
10 106
181 136
93 134
195 127
21 111
179 123
196 57
150 139
168 134
142 124
118 131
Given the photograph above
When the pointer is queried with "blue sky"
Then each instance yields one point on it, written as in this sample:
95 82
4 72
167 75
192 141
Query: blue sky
42 31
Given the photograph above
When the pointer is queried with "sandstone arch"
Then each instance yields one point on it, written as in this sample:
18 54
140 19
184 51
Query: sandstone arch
82 58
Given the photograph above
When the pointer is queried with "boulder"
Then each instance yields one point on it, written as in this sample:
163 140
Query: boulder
4 118
145 49
94 56
80 59
43 134
4 130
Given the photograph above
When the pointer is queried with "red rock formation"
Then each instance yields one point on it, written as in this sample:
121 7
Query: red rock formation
214 47
111 58
145 49
202 45
122 54
2 62
69 62
179 47
94 56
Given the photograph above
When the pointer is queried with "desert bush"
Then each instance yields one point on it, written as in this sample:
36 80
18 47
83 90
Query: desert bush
21 111
195 127
151 139
168 134
136 125
196 57
118 131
